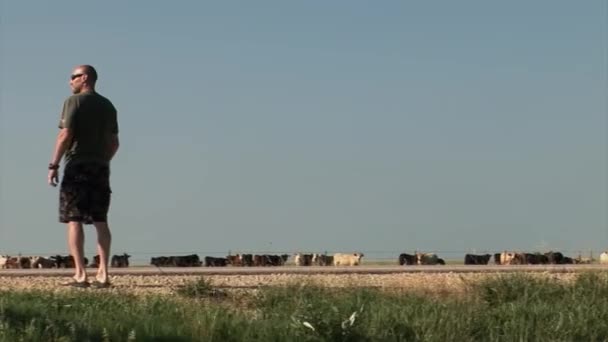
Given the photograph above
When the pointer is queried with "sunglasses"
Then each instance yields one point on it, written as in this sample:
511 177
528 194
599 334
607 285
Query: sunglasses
73 77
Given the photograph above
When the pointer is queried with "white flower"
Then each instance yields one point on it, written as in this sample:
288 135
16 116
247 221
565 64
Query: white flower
308 325
350 320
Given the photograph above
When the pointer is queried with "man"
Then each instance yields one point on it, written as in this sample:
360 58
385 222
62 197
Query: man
88 139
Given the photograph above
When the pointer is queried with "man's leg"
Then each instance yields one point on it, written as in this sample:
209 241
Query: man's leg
76 245
104 241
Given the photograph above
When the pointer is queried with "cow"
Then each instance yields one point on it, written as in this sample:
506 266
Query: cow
191 260
555 257
159 261
66 261
301 259
247 259
407 259
41 262
428 259
215 262
16 262
10 262
512 258
120 260
3 260
497 258
604 258
234 260
24 262
60 261
316 259
322 259
519 259
284 258
506 257
95 262
298 259
473 259
259 260
326 260
275 260
535 259
352 259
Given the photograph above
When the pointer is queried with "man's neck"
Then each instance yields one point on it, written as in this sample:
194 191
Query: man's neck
87 90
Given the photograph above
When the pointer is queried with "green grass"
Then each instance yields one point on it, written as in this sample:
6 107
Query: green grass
504 308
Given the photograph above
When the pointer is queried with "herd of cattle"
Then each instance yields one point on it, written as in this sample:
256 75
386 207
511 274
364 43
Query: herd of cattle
57 261
299 259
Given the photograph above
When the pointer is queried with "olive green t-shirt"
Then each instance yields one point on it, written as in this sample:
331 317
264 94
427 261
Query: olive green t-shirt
93 121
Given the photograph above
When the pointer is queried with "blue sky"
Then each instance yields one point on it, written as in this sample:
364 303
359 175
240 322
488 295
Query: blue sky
312 126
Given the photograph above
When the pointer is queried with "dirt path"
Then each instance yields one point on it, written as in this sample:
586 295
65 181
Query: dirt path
166 284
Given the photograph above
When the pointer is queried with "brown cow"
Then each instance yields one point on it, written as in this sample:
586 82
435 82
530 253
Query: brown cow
235 260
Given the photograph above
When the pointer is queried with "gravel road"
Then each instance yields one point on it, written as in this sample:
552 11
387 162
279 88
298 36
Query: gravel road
421 279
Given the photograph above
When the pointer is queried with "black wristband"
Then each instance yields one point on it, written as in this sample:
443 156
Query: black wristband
53 166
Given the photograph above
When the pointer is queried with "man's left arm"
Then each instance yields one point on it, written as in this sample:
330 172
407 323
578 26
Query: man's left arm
62 143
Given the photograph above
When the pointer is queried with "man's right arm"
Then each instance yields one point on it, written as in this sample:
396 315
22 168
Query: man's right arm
114 144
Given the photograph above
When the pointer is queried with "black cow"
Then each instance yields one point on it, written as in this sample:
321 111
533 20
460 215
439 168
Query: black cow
473 259
407 259
259 260
302 259
176 261
66 261
276 260
319 259
95 262
159 261
191 260
555 257
536 259
269 260
247 259
215 262
120 260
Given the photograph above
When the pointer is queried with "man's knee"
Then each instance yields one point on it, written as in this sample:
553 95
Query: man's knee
74 225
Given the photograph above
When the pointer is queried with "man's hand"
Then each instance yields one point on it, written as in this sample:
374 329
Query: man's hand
64 138
53 177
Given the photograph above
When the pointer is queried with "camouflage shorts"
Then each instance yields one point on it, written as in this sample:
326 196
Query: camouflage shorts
85 193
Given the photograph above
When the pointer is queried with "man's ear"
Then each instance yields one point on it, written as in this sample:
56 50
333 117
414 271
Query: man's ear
85 77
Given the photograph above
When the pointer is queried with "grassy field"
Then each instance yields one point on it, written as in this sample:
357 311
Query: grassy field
515 307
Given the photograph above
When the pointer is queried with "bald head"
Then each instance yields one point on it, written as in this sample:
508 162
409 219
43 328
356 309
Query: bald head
83 79
87 70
